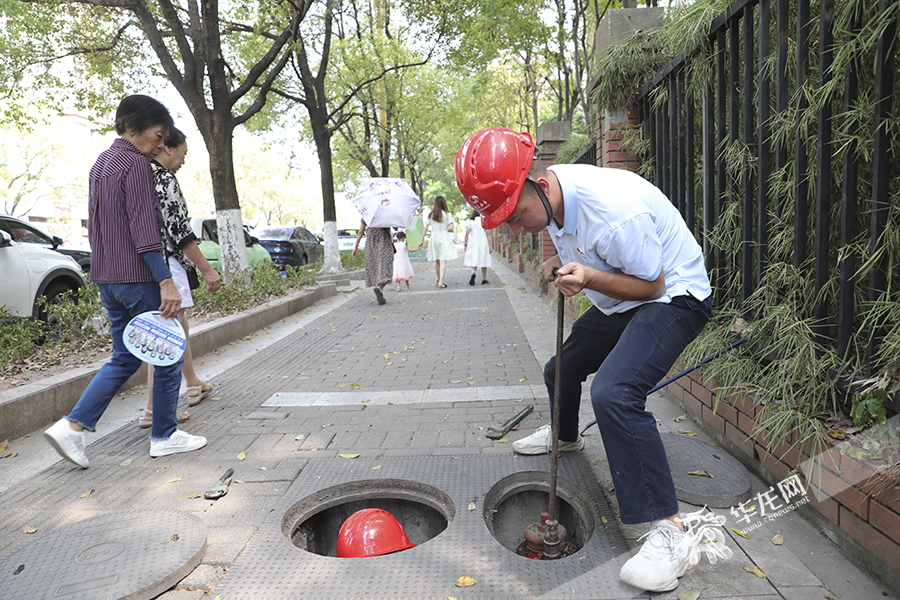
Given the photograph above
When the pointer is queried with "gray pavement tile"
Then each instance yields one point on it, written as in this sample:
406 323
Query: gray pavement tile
204 578
409 452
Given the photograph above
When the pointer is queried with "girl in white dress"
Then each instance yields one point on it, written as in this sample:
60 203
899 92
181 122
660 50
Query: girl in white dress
441 247
403 269
477 249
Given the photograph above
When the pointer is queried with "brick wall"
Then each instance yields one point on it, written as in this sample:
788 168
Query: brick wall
842 491
611 154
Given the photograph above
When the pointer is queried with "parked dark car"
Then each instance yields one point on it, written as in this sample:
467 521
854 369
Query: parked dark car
290 246
26 233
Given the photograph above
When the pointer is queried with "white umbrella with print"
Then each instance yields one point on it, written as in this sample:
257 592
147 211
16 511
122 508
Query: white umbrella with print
386 202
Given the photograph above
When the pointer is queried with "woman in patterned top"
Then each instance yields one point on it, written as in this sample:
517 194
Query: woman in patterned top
183 253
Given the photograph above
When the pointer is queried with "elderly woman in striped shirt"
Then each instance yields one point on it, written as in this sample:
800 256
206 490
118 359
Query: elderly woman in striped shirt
127 264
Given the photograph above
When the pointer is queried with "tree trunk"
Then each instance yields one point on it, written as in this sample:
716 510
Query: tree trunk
217 132
318 119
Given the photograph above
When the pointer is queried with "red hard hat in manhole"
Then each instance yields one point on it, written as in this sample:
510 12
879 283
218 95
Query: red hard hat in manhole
371 532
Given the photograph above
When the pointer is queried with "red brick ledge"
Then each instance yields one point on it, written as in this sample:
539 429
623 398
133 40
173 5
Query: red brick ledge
846 507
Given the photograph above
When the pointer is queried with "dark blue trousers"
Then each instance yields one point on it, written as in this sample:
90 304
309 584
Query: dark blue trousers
630 353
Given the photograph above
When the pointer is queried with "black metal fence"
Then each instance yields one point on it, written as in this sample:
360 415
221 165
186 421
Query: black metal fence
588 156
727 144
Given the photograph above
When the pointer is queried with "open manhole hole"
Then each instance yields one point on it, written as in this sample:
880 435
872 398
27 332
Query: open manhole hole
313 523
518 500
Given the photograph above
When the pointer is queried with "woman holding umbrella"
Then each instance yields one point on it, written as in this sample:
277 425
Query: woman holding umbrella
379 257
383 203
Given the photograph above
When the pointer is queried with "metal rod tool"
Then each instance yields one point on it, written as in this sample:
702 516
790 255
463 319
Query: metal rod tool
498 430
221 486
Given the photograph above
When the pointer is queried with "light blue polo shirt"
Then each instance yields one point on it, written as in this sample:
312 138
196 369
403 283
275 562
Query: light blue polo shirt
617 221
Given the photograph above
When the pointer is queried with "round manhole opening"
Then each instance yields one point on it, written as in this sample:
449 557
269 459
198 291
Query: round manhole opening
517 501
313 523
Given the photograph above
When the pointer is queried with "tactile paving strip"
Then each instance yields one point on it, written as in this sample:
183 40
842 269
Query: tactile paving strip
730 481
272 568
134 554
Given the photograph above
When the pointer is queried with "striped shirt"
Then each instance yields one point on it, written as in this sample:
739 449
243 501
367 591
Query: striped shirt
124 217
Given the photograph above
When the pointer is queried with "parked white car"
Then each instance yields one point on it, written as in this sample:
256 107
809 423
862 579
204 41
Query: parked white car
347 239
28 271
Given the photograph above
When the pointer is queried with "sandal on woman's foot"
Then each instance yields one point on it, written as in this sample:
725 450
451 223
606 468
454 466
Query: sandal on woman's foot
442 285
146 420
203 390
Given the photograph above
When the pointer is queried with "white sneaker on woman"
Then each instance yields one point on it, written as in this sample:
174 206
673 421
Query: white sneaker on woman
68 442
180 441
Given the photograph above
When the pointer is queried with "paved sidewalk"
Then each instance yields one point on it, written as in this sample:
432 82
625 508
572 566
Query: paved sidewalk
422 375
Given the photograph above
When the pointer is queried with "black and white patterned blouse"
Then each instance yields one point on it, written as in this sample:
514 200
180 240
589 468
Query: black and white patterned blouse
177 231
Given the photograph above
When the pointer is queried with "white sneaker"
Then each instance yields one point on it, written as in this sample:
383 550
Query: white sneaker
657 567
541 441
68 442
180 441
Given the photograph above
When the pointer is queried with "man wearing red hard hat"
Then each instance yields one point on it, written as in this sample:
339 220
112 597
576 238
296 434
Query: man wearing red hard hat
621 240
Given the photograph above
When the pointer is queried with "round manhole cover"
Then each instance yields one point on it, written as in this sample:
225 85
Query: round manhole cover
131 554
729 484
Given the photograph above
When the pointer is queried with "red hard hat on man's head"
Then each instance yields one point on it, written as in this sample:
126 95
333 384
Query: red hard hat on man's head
491 168
371 532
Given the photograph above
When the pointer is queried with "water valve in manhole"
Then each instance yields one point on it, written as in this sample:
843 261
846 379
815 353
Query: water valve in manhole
515 502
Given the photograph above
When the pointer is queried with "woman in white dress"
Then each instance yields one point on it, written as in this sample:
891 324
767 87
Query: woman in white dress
441 247
477 249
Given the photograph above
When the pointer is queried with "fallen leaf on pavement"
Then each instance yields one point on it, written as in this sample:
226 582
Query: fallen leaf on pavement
502 441
242 456
688 595
300 437
778 539
740 533
126 462
329 425
27 529
687 432
471 506
755 571
176 480
701 473
376 468
193 495
3 445
349 455
830 597
679 418
87 493
465 582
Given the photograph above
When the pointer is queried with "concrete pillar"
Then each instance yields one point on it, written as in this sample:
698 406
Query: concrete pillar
617 25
